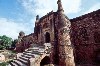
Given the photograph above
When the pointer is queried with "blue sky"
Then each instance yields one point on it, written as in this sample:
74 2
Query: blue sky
19 15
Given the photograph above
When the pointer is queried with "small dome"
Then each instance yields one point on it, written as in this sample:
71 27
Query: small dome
21 33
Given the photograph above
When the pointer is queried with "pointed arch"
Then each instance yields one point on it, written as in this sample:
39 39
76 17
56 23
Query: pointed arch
47 37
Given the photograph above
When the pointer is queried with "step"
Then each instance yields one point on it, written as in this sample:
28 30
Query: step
19 63
27 52
23 61
36 49
26 55
33 52
39 50
38 53
13 64
33 56
33 49
29 55
24 58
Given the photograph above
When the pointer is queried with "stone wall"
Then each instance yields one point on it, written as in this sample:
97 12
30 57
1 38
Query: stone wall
86 38
25 42
45 24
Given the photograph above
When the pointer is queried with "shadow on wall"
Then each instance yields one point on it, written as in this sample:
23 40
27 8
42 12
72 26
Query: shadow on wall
45 61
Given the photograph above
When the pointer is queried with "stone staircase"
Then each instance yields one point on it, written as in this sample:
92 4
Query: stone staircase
34 52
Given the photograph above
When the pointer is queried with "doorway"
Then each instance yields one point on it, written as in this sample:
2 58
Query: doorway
47 37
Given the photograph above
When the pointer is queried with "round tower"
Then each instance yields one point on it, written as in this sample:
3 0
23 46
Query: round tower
66 57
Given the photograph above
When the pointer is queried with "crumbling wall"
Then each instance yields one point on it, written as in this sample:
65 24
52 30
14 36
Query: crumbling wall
85 37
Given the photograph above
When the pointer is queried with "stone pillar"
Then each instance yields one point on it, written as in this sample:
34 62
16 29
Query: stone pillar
66 57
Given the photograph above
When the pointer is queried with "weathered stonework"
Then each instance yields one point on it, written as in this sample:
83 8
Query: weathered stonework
74 42
85 38
66 57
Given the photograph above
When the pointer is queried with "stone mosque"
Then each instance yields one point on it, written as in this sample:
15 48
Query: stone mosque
60 41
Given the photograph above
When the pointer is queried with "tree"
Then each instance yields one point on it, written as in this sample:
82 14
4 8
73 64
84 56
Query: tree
5 42
14 43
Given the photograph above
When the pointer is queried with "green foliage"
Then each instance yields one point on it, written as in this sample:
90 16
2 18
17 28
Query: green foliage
14 43
3 64
5 42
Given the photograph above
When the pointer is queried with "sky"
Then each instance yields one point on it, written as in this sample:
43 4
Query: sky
20 15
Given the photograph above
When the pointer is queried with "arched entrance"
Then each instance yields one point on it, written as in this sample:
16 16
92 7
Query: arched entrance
47 37
45 61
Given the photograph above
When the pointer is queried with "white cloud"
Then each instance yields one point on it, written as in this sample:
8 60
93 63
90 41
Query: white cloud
71 6
93 8
12 28
41 7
